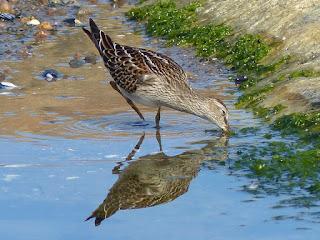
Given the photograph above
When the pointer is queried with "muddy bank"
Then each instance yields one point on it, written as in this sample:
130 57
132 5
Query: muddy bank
291 27
295 25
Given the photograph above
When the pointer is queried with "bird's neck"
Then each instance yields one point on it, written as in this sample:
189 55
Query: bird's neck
190 102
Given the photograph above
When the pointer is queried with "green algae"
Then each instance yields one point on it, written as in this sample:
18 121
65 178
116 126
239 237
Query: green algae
267 69
267 113
302 123
296 74
304 73
165 20
247 52
208 40
252 98
281 168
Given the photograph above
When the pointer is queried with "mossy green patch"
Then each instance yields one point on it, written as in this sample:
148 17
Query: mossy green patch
209 39
267 113
281 167
253 97
304 73
303 123
247 52
249 130
165 20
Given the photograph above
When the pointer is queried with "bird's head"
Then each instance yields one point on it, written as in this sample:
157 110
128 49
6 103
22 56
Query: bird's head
218 114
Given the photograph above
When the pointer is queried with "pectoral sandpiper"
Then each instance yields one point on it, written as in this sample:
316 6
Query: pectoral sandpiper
153 79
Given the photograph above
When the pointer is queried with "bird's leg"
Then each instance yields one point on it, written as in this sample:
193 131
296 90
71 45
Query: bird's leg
136 148
158 137
134 107
116 169
158 118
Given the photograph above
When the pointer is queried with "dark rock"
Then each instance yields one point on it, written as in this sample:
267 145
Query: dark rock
240 79
75 63
7 17
89 58
51 75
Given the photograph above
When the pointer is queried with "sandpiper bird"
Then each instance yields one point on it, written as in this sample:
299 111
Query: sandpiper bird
153 79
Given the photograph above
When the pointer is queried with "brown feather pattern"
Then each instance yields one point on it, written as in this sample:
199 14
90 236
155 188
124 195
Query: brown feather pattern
154 80
129 65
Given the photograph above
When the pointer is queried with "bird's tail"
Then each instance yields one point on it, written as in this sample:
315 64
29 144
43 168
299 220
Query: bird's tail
101 40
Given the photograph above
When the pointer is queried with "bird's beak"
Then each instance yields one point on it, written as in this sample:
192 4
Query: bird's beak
227 128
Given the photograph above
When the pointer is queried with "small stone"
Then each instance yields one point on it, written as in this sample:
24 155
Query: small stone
84 11
72 22
75 63
44 2
77 56
89 58
33 22
45 26
7 17
240 79
7 86
24 19
5 7
50 12
51 75
42 34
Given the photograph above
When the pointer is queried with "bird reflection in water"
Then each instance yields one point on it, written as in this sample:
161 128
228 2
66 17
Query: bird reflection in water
156 179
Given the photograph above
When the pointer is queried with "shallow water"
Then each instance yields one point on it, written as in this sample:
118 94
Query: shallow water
69 144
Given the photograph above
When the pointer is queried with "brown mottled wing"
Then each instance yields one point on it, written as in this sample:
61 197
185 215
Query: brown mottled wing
162 65
127 65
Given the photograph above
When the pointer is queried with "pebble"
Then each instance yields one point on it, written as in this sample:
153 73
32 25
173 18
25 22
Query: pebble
7 86
7 17
33 22
72 22
89 58
75 63
5 7
41 34
45 26
51 75
240 79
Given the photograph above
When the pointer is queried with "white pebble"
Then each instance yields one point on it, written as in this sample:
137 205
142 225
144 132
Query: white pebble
33 22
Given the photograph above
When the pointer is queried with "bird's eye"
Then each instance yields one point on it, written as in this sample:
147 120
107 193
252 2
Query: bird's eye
223 112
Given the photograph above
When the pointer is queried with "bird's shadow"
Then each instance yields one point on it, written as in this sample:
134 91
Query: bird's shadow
156 179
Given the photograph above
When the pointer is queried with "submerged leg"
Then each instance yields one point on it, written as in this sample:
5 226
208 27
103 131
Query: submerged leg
134 107
116 169
158 137
158 118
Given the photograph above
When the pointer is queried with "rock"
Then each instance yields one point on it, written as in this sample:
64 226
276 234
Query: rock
45 26
72 22
5 7
89 58
42 34
44 2
51 75
76 63
77 56
240 79
33 22
7 86
7 17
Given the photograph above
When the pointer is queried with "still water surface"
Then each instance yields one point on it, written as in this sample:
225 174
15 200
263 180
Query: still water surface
70 147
